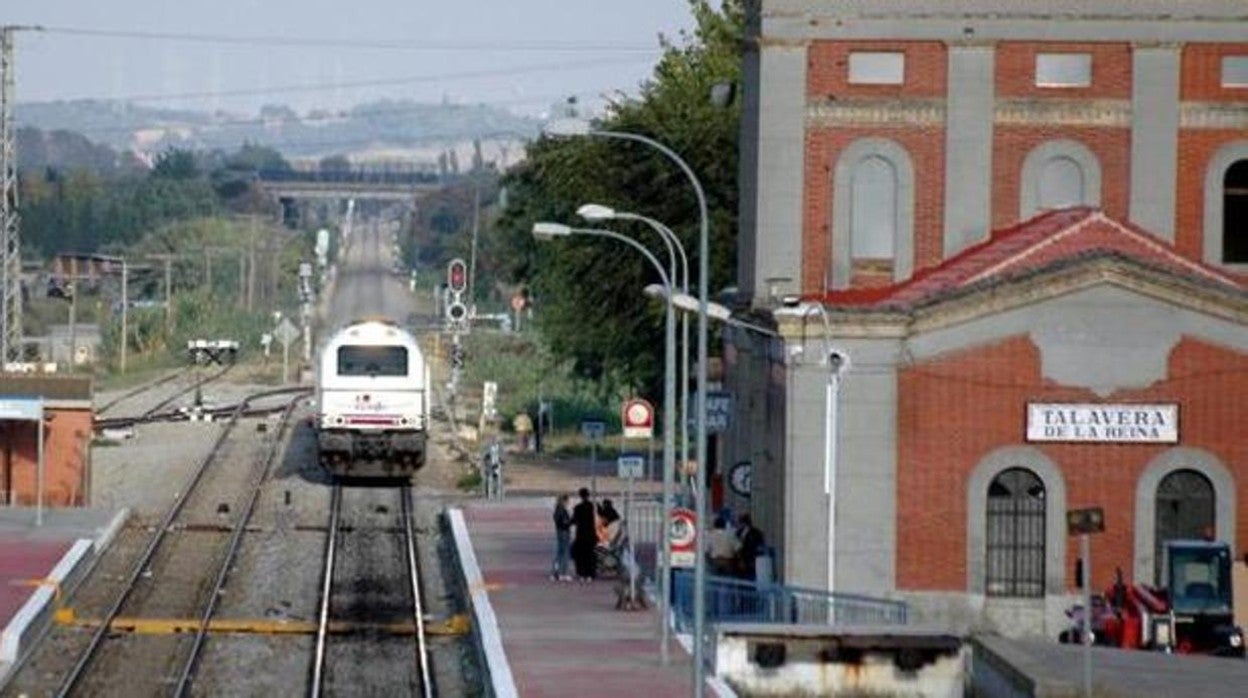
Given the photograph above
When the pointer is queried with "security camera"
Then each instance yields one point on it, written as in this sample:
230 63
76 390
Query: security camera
791 300
837 360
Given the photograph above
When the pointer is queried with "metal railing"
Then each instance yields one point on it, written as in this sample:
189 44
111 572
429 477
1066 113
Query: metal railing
730 600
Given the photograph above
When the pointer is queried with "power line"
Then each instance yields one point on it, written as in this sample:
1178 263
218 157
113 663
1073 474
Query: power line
381 82
536 46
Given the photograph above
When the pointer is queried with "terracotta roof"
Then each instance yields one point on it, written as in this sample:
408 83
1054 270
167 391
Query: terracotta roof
1041 242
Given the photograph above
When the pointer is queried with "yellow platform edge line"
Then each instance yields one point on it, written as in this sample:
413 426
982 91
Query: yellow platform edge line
455 625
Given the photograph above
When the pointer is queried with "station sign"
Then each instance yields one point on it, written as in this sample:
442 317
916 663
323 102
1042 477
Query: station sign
718 412
1107 423
638 419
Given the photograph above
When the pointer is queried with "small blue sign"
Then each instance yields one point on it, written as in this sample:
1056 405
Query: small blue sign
630 465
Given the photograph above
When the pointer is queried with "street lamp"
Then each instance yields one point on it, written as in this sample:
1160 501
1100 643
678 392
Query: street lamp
837 361
581 127
598 212
550 231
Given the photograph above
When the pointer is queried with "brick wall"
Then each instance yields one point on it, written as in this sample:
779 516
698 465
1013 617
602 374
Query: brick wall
956 409
1011 144
66 447
827 73
926 147
1016 71
1202 73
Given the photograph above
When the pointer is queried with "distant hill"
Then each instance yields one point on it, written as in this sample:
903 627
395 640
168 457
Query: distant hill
384 126
39 150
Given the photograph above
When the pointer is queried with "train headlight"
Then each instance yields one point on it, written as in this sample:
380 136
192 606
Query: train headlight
1237 639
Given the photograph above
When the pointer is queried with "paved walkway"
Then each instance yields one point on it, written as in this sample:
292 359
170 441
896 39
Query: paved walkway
563 639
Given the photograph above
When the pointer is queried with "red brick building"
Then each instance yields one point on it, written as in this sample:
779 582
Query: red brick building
1008 224
67 416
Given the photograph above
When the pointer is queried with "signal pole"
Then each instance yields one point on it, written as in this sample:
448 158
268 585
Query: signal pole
10 242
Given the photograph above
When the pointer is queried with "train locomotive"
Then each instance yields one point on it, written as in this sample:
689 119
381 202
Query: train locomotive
373 395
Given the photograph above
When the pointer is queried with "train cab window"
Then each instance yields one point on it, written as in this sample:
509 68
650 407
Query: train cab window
372 361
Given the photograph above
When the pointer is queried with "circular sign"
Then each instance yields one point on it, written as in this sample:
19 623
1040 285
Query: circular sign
638 419
683 530
740 478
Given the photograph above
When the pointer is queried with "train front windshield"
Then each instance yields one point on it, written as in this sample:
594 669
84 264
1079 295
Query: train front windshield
372 361
1202 580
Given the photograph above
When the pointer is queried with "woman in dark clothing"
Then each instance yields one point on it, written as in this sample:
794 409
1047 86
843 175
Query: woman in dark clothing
563 540
586 537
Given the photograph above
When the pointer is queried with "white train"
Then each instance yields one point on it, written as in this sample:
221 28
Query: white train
373 395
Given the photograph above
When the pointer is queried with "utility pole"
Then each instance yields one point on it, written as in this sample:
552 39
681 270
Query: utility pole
73 312
125 311
168 260
10 242
251 266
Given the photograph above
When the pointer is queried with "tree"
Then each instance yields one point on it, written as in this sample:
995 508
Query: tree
175 164
587 292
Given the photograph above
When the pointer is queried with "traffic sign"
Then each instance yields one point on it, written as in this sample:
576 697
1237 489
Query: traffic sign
630 465
286 332
683 529
593 429
638 419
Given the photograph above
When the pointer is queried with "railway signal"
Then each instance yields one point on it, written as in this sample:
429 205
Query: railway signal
457 276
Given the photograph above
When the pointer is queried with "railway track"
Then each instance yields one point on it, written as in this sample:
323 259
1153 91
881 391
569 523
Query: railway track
362 586
154 410
177 576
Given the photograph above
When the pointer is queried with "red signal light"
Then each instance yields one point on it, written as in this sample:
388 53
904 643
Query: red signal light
457 275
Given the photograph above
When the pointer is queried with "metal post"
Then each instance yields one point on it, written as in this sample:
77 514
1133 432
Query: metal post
168 294
593 458
1085 552
476 231
39 473
831 395
125 311
285 362
73 312
10 241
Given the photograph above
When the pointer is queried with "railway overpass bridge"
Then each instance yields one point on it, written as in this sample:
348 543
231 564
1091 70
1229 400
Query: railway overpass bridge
361 185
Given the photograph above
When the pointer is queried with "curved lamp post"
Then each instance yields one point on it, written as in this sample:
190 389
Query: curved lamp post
598 212
581 127
548 231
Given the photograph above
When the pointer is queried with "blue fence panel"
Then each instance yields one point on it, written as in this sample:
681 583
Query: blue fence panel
730 600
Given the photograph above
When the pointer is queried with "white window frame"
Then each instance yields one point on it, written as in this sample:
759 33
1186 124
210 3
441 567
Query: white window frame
876 68
1053 76
1237 65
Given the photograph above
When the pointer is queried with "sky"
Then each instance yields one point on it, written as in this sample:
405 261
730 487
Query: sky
235 55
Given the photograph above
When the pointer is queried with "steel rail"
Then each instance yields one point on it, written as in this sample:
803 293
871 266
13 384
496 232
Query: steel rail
215 411
418 610
197 383
138 391
322 630
231 553
97 638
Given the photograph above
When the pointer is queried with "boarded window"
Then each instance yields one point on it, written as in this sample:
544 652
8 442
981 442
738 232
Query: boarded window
1063 70
1016 534
877 68
1235 71
873 213
1061 184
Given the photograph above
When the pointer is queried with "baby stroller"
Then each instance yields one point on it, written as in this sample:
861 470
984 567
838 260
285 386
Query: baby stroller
608 557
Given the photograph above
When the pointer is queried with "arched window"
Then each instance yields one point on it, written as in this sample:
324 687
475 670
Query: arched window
873 212
1061 184
872 222
1015 534
1059 174
1185 509
1235 214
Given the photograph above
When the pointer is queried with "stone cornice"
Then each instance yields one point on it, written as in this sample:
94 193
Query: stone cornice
876 112
1213 115
1112 113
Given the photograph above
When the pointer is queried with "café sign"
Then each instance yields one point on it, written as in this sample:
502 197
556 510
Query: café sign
1094 423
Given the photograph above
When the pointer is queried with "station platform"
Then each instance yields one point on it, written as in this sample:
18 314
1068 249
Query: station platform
546 639
37 562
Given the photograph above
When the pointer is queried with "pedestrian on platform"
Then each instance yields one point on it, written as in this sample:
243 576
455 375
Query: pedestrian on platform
523 426
751 539
608 523
563 540
722 547
586 537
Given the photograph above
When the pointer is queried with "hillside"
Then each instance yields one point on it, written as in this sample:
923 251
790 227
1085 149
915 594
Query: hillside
384 126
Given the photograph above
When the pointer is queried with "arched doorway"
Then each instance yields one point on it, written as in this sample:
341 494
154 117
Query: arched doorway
1235 214
1015 534
1185 509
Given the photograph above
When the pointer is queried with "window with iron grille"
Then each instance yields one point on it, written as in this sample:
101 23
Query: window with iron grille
1015 535
1185 510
